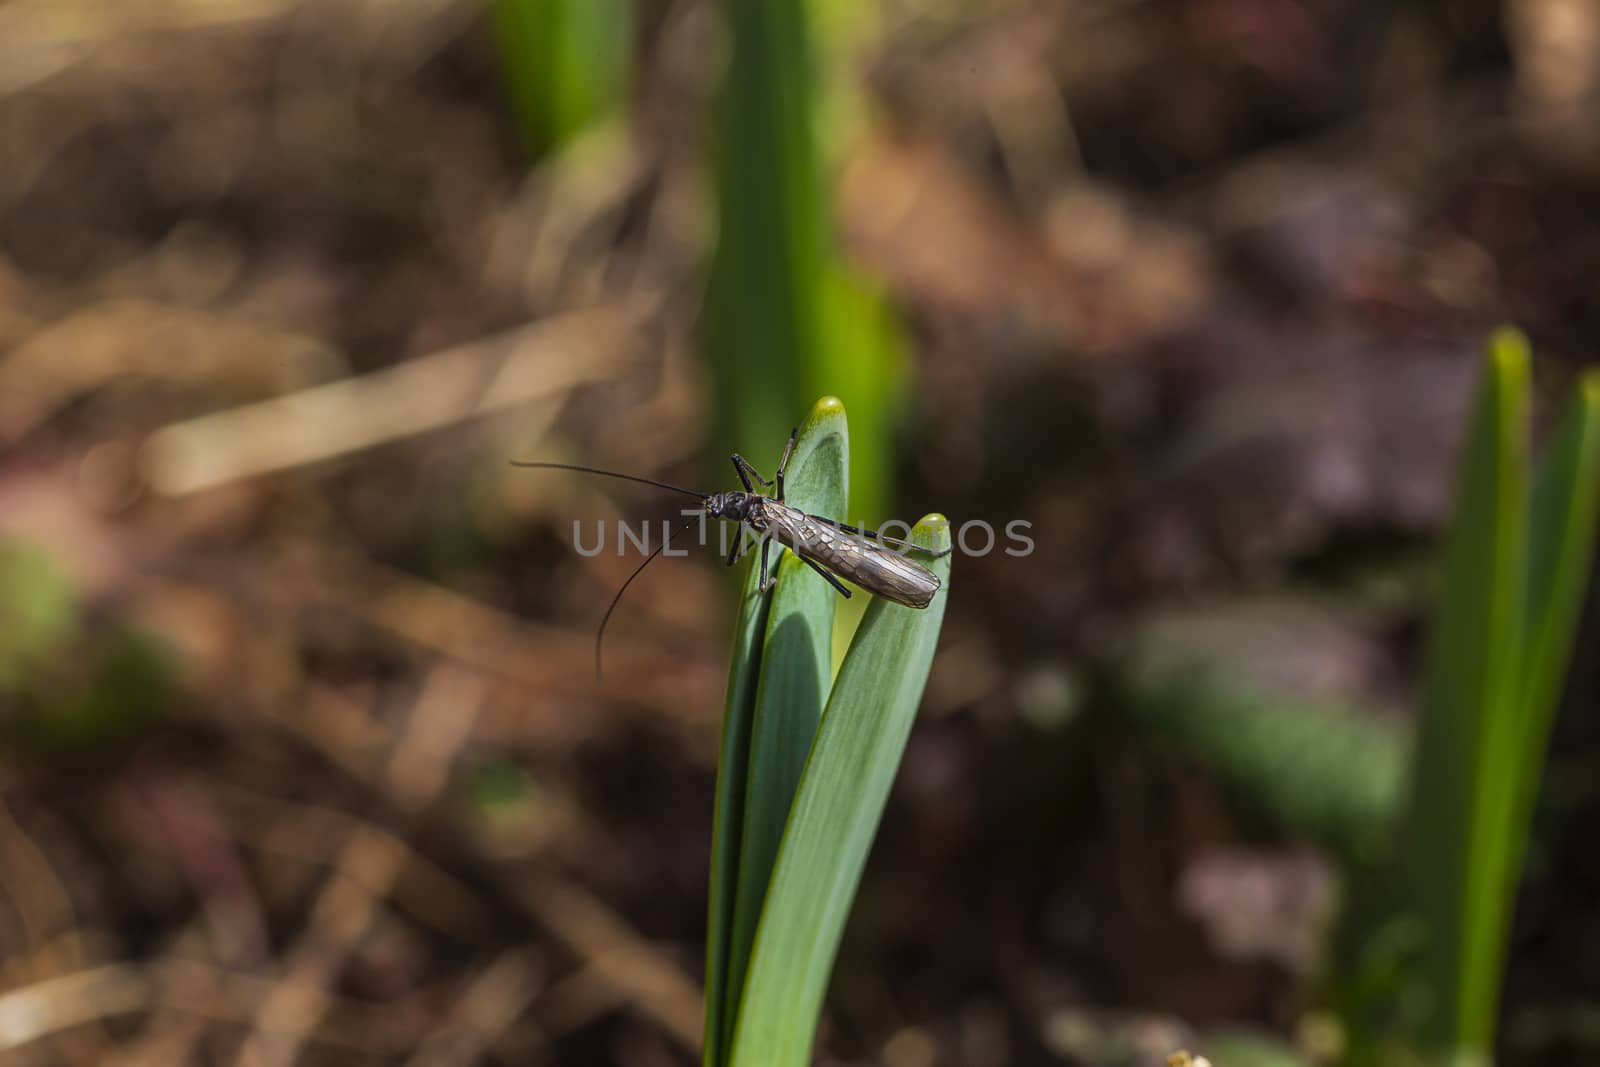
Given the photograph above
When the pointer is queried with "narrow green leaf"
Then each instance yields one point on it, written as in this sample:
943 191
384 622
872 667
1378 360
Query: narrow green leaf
727 820
1566 497
1561 544
793 684
835 816
1455 844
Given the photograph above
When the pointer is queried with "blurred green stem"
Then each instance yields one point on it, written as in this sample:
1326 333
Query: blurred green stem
784 317
567 64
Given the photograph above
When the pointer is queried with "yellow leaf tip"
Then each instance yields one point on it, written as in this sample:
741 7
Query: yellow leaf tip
1589 389
827 412
932 529
1508 345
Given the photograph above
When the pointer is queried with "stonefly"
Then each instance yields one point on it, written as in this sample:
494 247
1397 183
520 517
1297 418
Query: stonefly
832 549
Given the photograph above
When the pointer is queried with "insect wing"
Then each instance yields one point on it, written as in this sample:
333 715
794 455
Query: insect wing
876 569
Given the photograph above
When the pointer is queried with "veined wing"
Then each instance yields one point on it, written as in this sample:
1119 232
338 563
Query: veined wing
879 570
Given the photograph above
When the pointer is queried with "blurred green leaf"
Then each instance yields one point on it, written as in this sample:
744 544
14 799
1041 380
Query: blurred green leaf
38 610
501 784
104 694
1218 685
1561 543
862 358
1423 946
762 305
1455 844
132 685
567 63
784 317
71 691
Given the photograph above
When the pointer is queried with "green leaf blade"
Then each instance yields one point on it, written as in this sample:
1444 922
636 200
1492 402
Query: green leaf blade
727 820
835 816
1456 841
1566 497
1561 545
794 680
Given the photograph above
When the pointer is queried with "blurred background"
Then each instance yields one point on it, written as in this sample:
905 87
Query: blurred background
302 759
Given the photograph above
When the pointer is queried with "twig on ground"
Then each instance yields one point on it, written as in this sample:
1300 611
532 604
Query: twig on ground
367 866
483 1011
613 950
541 361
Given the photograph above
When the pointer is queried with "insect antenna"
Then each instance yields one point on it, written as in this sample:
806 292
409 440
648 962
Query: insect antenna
601 632
611 474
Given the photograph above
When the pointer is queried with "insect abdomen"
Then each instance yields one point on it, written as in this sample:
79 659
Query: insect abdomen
868 564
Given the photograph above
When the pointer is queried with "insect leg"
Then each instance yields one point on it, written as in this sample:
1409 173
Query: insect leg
746 472
768 580
833 581
884 539
741 544
783 464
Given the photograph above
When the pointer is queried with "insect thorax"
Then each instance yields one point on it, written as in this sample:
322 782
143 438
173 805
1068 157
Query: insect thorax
737 507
